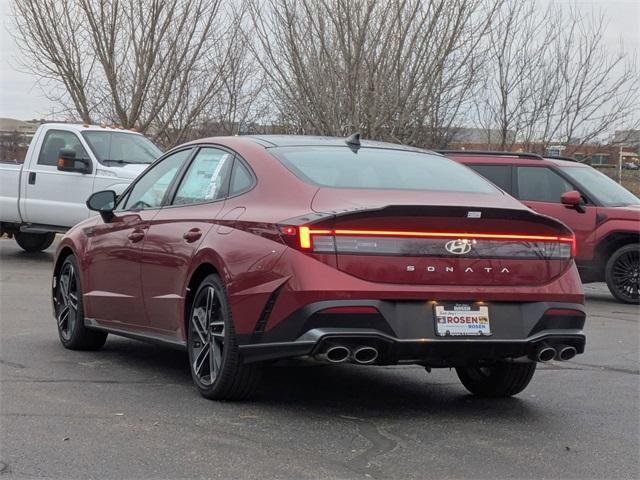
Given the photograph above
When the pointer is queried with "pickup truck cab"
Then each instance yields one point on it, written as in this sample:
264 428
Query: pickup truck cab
604 216
64 165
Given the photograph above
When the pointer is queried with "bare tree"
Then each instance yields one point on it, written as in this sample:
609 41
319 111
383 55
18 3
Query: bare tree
402 70
398 70
552 79
153 64
57 50
242 105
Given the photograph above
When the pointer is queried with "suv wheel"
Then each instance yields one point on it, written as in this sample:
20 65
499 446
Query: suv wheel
622 273
34 242
498 380
214 359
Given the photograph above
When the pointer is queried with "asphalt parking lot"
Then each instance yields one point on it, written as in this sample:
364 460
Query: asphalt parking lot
130 410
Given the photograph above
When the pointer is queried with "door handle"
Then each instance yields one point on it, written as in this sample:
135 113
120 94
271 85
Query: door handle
32 178
192 235
136 236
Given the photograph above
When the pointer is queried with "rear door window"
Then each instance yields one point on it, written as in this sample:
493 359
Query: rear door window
207 177
541 184
499 175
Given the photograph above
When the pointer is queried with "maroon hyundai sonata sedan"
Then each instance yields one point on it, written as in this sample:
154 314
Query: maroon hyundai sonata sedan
254 249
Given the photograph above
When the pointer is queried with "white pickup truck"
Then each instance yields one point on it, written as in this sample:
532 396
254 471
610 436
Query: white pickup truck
65 164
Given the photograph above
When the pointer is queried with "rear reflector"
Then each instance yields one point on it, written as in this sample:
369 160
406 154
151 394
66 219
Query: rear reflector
350 310
564 312
402 243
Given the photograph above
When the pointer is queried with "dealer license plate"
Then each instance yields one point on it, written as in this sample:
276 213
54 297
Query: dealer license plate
462 319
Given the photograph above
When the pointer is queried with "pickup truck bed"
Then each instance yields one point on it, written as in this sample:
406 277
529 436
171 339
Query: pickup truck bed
9 191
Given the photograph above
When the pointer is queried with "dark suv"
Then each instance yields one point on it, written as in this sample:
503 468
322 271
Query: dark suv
604 215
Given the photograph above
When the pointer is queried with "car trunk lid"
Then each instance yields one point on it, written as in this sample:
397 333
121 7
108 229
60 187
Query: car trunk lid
439 239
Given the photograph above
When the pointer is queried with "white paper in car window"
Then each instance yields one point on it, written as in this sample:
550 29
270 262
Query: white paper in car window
214 181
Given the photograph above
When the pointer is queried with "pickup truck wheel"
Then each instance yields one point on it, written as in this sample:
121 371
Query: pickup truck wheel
216 365
69 311
34 242
622 273
498 380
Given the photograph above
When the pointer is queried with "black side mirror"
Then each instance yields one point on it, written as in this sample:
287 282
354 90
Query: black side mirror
67 162
103 202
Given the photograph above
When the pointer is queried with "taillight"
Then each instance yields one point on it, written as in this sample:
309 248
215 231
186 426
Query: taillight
407 243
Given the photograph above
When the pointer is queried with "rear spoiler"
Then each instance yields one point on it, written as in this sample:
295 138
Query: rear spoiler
453 212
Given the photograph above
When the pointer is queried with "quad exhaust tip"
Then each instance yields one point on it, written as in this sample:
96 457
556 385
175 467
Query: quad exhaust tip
566 353
546 354
365 354
335 354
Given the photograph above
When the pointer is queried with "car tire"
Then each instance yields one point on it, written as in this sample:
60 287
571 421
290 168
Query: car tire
69 310
498 380
214 358
622 273
34 242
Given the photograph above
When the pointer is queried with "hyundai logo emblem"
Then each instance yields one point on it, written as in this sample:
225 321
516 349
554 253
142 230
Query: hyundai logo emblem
458 247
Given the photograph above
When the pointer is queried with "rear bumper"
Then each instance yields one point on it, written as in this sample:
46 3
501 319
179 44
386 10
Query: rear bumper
404 332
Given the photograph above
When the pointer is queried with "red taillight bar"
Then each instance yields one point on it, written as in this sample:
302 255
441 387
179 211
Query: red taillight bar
306 232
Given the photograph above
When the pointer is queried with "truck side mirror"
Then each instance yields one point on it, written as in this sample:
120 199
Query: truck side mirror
67 162
572 199
103 202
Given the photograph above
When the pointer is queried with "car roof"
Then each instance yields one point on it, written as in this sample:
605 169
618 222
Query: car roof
492 159
77 127
567 163
509 158
269 141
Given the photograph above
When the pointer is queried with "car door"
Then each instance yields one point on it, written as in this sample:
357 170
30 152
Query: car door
114 291
540 188
55 197
175 234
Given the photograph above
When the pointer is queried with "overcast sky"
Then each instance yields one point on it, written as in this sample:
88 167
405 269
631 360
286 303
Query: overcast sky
21 98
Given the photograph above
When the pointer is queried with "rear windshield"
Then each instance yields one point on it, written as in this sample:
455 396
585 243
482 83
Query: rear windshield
379 168
121 147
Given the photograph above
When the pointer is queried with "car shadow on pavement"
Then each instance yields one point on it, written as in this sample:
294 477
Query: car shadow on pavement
26 257
602 297
143 360
389 392
347 391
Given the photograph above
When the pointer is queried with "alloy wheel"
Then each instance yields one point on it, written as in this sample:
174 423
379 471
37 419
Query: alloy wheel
67 299
207 335
626 275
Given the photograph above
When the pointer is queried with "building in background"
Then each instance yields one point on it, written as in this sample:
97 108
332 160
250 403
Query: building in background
627 137
624 146
15 136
